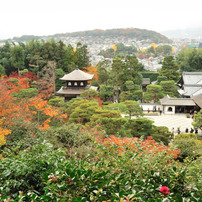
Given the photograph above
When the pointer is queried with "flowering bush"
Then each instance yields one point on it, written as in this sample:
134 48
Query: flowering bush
43 174
147 146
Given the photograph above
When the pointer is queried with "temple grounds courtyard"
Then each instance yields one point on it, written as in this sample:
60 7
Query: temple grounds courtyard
173 121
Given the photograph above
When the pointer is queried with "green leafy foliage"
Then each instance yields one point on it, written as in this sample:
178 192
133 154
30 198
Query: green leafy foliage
170 68
140 127
26 93
2 70
25 172
197 123
190 60
132 108
57 102
89 94
121 50
189 145
42 173
169 88
153 93
81 111
152 75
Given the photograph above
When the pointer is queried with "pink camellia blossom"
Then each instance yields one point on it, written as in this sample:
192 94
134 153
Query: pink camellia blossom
68 180
164 190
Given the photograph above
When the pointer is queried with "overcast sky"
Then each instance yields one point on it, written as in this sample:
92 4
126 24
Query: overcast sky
45 17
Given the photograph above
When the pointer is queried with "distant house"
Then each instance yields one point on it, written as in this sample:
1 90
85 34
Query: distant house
145 83
190 84
77 82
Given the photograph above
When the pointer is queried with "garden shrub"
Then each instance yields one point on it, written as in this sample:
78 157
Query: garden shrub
189 145
71 135
22 135
137 172
25 171
139 127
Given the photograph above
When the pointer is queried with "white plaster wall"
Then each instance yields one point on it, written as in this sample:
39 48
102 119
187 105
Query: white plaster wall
145 107
169 112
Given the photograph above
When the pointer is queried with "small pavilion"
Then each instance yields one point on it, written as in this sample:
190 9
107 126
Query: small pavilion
77 82
178 105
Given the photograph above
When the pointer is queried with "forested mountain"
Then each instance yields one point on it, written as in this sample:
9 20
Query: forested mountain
139 34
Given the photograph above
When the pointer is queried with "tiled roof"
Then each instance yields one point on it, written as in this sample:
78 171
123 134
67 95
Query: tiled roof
77 75
198 100
191 82
177 101
192 78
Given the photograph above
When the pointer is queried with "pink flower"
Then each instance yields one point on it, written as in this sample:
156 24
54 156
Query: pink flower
164 190
68 180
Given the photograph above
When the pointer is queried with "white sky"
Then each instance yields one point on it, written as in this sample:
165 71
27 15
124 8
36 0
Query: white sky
45 17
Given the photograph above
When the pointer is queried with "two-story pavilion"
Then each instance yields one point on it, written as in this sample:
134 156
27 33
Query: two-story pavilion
77 81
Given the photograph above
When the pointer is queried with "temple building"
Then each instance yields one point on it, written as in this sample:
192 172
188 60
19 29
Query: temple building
190 84
178 105
77 82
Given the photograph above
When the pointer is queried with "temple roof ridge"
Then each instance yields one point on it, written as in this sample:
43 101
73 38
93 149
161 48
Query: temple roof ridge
77 75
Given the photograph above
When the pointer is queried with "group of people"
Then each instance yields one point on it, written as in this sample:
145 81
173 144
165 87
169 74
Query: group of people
186 131
191 130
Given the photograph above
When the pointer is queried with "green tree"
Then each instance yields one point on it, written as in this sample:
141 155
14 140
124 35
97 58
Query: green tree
81 56
169 88
117 69
57 102
197 123
133 108
190 60
83 111
100 113
103 69
106 92
153 93
169 68
189 146
26 93
33 57
161 78
164 50
89 94
17 57
125 95
2 70
129 85
139 94
59 73
5 57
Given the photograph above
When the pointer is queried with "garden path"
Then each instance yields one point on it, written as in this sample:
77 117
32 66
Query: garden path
172 121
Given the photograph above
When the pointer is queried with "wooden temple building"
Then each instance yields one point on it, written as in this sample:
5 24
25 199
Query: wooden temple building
77 82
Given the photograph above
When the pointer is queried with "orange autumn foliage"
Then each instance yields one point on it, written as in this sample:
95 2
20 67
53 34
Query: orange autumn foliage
147 146
3 133
91 70
34 109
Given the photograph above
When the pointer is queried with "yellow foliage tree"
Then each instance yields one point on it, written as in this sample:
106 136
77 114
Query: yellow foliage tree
153 45
3 133
114 47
